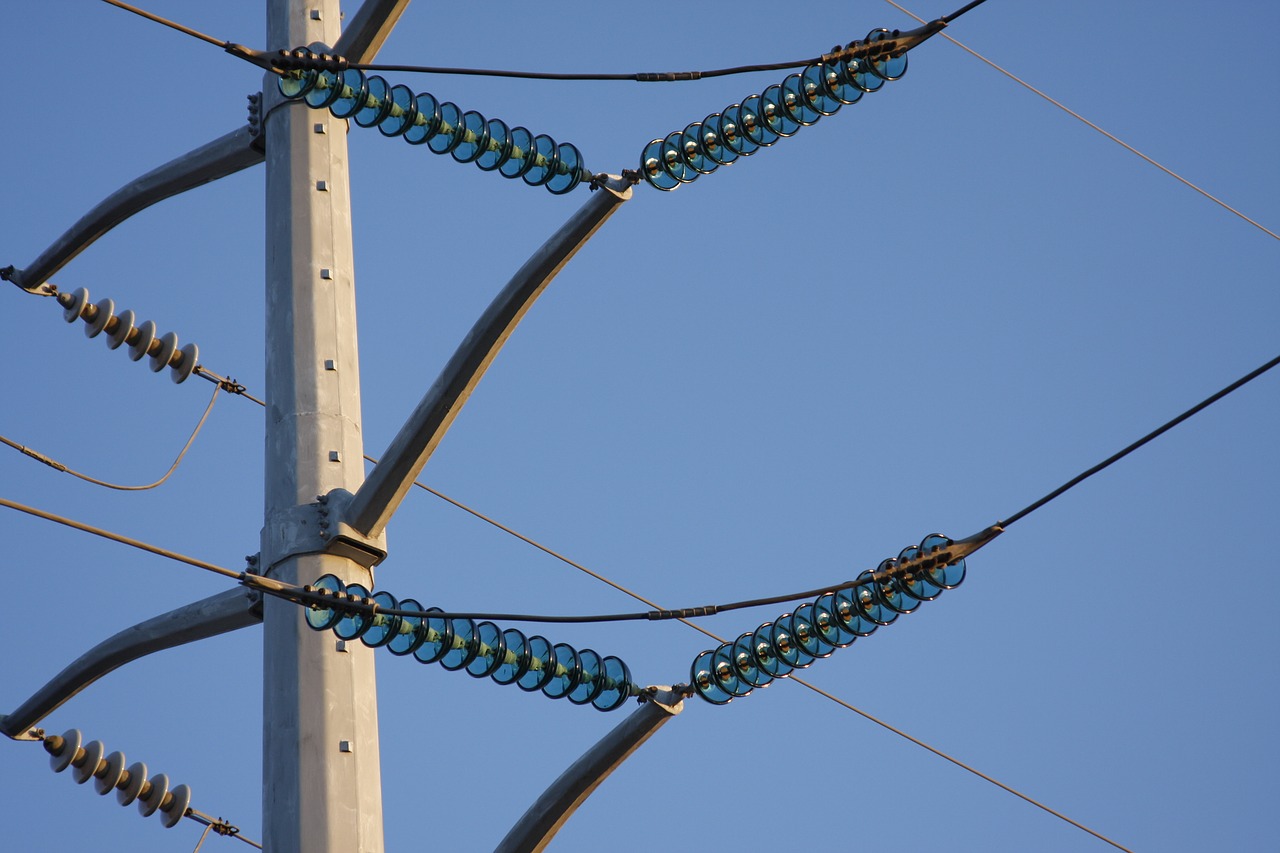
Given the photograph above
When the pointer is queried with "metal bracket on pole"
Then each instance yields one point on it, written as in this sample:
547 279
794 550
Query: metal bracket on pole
318 528
534 831
377 499
218 614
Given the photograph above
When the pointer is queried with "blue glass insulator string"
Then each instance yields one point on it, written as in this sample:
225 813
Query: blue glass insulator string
444 128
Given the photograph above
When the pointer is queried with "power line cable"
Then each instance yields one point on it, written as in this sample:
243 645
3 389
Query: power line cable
1086 121
58 466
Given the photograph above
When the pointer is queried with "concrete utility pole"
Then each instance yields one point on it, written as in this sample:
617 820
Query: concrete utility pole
321 779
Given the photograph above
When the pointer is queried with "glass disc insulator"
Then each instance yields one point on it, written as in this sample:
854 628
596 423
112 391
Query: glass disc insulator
350 99
785 645
567 672
766 655
402 113
806 634
726 674
869 606
838 84
747 665
326 90
651 168
617 685
732 134
520 157
848 613
545 160
702 677
474 138
713 140
692 152
858 71
465 647
515 661
542 664
884 66
774 112
382 627
353 623
814 91
916 584
590 682
826 623
426 122
795 101
490 652
450 132
295 84
949 576
407 635
752 123
673 158
377 103
436 638
499 148
323 618
569 171
890 594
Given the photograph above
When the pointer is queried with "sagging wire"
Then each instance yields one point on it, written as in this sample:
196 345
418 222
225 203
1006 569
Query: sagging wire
58 466
1117 140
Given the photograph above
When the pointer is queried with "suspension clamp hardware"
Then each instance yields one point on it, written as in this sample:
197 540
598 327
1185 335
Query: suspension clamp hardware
318 528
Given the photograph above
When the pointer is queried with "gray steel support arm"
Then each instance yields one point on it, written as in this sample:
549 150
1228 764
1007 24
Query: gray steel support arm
226 155
534 831
380 495
218 614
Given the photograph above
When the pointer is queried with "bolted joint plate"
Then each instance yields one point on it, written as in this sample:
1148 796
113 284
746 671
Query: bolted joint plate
318 528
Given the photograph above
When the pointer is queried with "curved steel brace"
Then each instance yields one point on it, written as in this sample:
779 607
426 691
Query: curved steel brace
218 614
534 831
379 496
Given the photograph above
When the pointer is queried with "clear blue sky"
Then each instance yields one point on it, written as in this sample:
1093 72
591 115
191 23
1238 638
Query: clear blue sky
918 315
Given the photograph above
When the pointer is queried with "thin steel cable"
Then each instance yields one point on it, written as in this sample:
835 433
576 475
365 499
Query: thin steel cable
123 540
1105 133
58 466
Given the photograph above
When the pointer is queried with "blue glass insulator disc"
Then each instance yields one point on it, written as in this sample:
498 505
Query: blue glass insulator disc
814 91
567 672
377 102
703 680
436 638
837 83
785 645
402 113
848 613
831 628
516 660
426 122
450 132
766 656
465 647
807 635
713 141
542 664
295 84
747 665
382 627
499 147
731 133
651 168
474 139
319 617
353 84
590 682
949 576
617 685
673 158
545 160
692 152
752 123
569 171
889 592
520 159
326 90
776 116
726 674
882 65
353 624
490 652
869 605
795 103
916 583
859 71
407 635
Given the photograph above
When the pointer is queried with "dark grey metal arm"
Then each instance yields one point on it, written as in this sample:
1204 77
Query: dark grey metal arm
227 611
534 831
368 29
377 499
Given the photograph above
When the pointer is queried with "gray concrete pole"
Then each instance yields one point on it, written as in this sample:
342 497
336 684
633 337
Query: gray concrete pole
321 781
